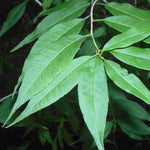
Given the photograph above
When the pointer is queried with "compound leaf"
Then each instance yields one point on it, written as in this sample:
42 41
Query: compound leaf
93 99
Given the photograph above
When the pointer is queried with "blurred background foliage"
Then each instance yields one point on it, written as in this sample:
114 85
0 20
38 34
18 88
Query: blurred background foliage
61 126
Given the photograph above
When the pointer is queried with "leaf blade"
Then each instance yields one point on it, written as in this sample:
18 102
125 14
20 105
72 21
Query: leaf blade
128 82
137 57
93 100
127 9
54 18
57 89
126 39
14 15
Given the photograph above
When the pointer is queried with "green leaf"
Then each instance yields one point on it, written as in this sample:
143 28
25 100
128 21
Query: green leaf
51 62
122 23
126 39
88 48
44 135
5 109
99 32
62 29
128 82
147 40
14 15
57 89
47 3
137 57
108 128
37 76
49 53
129 107
127 9
93 99
133 127
72 10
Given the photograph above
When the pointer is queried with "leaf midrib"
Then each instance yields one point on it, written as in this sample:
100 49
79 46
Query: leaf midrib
134 55
60 20
49 63
138 33
93 96
126 13
127 81
54 87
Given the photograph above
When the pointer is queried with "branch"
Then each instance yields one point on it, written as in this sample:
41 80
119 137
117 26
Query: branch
39 3
4 98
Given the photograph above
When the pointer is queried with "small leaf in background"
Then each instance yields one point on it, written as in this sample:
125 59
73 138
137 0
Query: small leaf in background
130 107
14 15
5 109
88 48
47 3
127 114
133 127
57 89
99 32
127 9
128 82
126 38
108 128
44 135
93 99
72 9
137 57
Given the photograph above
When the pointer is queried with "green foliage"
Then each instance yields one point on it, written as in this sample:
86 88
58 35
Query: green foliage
54 67
93 99
14 15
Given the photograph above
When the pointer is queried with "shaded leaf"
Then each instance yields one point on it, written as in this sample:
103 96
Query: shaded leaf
133 127
14 15
129 107
47 3
93 99
72 10
108 128
137 57
128 82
